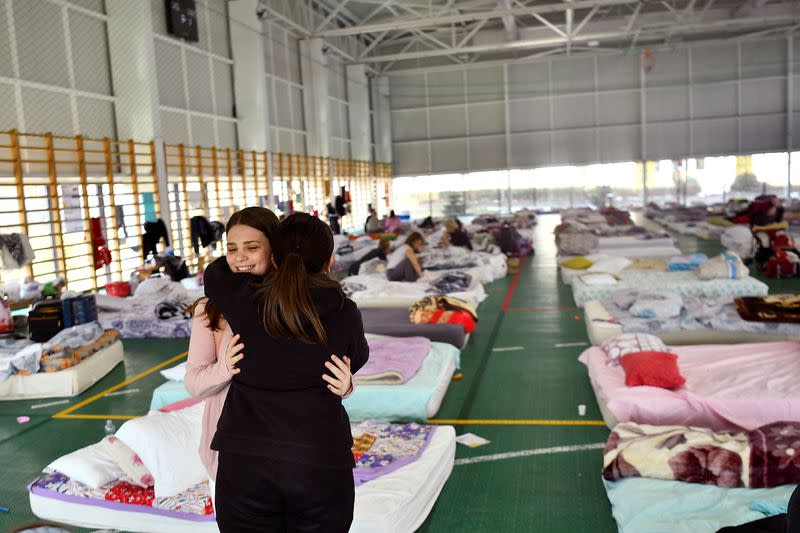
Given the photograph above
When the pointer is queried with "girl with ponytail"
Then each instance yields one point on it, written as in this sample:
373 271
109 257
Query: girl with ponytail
284 441
214 351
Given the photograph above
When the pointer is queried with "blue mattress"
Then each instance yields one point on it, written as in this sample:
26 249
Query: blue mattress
414 400
657 506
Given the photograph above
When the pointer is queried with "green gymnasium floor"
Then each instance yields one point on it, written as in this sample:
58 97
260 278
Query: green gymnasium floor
521 389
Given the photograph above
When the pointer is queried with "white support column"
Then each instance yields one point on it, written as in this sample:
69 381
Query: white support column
643 127
132 55
382 119
789 111
314 69
249 81
358 110
133 69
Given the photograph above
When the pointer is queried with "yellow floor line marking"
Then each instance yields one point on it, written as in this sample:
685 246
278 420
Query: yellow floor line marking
98 417
480 422
118 386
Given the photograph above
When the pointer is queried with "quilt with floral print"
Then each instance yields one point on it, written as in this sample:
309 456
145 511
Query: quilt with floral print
768 456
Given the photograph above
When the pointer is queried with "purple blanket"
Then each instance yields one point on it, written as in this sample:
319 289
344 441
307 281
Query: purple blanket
396 445
393 361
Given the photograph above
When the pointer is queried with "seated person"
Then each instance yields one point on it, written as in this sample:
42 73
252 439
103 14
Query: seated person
402 264
381 252
392 222
373 223
456 235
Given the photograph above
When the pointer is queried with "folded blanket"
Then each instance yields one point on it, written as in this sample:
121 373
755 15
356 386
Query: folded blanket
768 456
774 308
393 361
686 262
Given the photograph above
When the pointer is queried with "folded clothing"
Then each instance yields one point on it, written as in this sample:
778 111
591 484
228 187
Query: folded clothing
762 458
393 361
686 262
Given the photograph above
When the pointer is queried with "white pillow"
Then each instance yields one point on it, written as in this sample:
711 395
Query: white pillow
175 373
168 445
90 466
612 265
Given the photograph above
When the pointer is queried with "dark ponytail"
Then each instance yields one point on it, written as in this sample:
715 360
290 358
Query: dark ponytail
303 251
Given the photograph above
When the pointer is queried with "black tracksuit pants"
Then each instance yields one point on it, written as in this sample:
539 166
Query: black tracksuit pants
257 494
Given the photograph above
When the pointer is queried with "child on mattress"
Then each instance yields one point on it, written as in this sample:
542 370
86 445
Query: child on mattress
284 441
213 349
403 264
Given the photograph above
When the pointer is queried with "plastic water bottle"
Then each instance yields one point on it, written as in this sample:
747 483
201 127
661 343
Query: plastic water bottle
110 428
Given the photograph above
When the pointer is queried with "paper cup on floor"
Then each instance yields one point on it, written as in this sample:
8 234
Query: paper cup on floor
582 410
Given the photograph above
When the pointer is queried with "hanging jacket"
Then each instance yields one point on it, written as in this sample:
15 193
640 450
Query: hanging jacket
153 233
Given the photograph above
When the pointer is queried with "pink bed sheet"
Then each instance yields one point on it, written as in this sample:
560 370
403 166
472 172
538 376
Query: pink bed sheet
728 387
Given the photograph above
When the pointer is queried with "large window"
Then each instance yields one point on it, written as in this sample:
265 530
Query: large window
626 185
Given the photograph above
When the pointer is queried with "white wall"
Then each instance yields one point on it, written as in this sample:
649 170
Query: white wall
284 90
55 76
698 101
54 71
195 80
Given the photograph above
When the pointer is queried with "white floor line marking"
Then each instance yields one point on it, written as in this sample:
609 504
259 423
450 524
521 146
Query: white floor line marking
508 349
121 392
571 344
49 404
530 453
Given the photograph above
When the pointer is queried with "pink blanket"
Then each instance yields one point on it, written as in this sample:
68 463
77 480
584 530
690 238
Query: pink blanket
728 387
393 361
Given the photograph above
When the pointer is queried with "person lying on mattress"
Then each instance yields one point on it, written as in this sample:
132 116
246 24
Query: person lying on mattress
213 349
403 264
455 235
284 442
381 252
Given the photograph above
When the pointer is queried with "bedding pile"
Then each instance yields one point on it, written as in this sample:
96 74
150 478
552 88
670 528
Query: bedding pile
662 312
66 349
152 471
160 308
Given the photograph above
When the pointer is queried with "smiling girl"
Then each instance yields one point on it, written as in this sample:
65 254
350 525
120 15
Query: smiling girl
214 350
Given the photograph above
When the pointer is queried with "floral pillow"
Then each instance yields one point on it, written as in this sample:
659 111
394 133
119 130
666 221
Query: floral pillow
127 460
631 343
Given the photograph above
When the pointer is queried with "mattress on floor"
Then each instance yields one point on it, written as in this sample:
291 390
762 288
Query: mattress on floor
374 290
149 327
398 502
728 387
639 264
641 505
600 327
68 382
417 399
395 322
683 283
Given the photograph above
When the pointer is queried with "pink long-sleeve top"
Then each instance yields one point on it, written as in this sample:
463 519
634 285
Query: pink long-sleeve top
207 378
